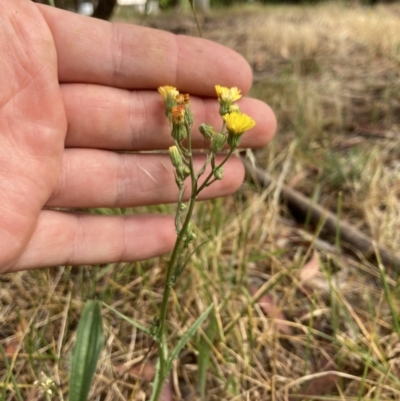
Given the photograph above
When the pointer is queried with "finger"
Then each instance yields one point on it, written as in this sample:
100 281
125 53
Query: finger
110 118
95 178
129 56
77 239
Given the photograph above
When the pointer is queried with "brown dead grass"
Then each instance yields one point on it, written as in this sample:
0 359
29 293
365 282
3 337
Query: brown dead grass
331 73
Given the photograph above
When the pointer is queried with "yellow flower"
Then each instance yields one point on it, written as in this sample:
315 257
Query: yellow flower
168 91
227 95
238 123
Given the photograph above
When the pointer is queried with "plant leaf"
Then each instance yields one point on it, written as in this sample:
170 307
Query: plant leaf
204 354
189 334
86 351
130 321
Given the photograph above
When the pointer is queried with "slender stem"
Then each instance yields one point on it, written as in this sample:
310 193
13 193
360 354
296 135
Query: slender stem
170 273
195 17
203 168
179 210
206 181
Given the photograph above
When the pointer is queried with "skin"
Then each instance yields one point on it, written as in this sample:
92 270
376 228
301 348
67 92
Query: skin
75 90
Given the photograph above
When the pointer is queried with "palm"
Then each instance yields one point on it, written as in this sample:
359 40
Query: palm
74 90
32 126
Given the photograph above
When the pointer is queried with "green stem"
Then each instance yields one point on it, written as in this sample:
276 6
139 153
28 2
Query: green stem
195 17
179 211
203 168
206 181
163 365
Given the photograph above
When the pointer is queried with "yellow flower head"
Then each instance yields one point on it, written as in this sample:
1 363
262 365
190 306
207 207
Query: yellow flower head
168 91
227 95
238 123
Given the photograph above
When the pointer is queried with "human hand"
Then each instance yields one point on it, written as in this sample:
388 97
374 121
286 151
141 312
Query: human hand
75 90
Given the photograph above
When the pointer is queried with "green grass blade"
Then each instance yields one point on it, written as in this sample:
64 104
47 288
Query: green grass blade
189 334
130 321
10 376
86 351
389 299
204 354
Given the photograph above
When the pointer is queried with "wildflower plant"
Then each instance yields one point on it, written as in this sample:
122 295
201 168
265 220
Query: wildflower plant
234 125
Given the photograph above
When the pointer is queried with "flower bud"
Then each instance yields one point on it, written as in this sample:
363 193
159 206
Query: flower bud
226 97
178 132
233 140
183 172
207 131
178 180
218 141
218 173
190 235
188 116
224 108
175 156
234 108
169 94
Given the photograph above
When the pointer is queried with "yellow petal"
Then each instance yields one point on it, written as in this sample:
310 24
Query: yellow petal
228 95
168 90
238 123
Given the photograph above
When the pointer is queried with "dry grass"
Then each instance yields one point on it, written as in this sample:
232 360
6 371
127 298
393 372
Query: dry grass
331 74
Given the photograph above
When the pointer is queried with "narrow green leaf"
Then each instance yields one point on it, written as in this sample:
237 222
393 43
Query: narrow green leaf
10 376
204 354
189 334
389 299
86 351
130 321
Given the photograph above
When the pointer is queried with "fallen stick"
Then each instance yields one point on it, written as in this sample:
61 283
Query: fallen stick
305 207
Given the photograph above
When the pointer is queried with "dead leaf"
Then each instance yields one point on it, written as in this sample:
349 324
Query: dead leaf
319 386
322 385
10 349
268 306
147 371
13 346
297 179
32 394
311 269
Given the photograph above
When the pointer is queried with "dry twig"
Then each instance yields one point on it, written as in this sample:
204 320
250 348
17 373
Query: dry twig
303 207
